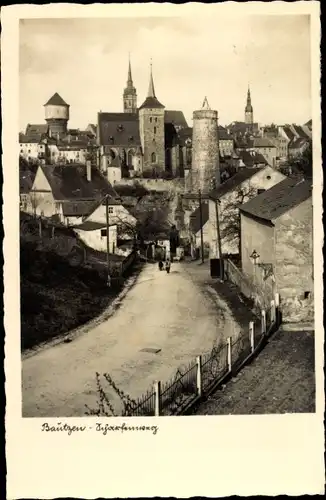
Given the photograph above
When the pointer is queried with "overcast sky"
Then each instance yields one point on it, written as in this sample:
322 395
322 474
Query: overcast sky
86 60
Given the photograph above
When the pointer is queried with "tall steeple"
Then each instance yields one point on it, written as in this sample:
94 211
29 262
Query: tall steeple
129 94
151 89
249 112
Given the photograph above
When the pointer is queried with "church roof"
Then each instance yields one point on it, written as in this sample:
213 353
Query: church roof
56 100
118 129
151 102
175 117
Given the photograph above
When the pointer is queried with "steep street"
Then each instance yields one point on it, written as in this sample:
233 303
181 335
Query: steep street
161 311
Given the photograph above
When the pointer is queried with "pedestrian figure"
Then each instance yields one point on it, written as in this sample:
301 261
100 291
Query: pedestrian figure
160 265
168 266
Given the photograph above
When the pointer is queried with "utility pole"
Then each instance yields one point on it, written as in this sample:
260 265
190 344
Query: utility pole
201 227
108 240
219 239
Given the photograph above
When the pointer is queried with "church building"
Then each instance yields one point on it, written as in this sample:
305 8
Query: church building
141 139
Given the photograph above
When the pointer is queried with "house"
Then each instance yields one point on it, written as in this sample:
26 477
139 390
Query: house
251 159
225 142
244 185
117 213
298 146
94 235
199 218
69 191
277 245
265 147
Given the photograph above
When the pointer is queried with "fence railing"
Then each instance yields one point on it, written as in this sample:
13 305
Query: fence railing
209 370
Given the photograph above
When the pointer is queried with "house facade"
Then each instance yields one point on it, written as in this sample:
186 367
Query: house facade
277 246
246 184
94 235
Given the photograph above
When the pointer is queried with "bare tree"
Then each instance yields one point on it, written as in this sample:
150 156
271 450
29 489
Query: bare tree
230 226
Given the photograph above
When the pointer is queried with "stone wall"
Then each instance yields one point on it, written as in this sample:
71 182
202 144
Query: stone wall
294 262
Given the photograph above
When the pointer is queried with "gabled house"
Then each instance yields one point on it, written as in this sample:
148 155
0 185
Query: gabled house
244 185
94 235
298 146
277 246
69 191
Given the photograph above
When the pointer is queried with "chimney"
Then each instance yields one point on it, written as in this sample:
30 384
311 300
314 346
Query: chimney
89 170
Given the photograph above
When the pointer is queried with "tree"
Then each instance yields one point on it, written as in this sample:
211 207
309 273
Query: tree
229 216
303 163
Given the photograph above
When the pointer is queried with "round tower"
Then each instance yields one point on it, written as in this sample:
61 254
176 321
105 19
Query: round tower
57 116
205 168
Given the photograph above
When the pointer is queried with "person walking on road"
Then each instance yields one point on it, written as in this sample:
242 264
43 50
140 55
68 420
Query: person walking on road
168 266
160 265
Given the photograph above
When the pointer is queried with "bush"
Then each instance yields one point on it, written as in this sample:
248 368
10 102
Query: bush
135 189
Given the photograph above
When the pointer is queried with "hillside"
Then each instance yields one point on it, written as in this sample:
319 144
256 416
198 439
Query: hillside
59 289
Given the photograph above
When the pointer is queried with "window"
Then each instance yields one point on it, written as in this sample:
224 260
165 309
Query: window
307 295
150 119
153 157
21 151
29 151
110 210
268 177
154 130
259 191
103 233
156 120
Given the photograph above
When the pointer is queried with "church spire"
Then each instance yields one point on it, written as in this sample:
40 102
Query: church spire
249 118
129 94
151 89
129 81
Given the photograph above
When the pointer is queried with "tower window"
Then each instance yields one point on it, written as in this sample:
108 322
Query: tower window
153 157
156 119
154 130
151 119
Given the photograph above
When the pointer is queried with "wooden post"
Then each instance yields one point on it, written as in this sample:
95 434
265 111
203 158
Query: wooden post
157 389
52 232
263 322
199 376
229 354
273 311
219 242
40 228
252 335
201 227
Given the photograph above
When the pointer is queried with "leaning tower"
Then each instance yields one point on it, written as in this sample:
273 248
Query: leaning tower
205 169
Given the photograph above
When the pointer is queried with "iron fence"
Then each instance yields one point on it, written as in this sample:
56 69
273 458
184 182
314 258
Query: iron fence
214 366
176 393
145 405
240 349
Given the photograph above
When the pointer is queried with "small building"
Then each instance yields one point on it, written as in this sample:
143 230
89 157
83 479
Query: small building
251 159
94 235
277 246
199 218
241 187
69 191
225 142
266 148
298 146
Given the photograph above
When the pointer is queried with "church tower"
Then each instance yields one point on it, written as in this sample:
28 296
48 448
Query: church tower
249 113
151 127
129 95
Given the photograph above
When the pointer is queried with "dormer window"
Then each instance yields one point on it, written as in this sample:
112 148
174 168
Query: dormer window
111 138
131 138
120 128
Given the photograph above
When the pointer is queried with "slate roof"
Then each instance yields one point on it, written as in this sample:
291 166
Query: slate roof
56 100
89 225
299 130
234 182
121 127
175 117
279 199
151 102
250 159
77 208
223 134
34 133
194 223
69 182
289 132
309 124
